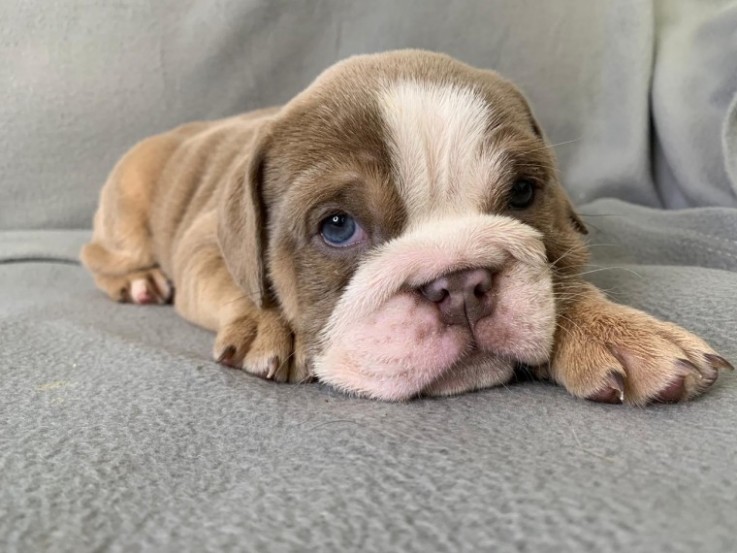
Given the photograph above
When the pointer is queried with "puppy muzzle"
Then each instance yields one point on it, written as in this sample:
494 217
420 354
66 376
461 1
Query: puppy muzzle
448 307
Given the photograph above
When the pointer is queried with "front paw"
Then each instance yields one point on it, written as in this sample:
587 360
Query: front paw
612 353
260 343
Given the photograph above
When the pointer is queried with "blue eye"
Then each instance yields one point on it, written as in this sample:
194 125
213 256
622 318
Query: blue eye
341 230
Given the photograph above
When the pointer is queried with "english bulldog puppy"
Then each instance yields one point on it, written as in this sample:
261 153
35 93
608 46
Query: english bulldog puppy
398 229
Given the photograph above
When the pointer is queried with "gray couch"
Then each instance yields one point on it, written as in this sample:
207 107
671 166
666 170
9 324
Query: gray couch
117 432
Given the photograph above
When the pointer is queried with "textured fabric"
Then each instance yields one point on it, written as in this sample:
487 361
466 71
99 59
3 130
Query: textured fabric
84 80
694 80
119 434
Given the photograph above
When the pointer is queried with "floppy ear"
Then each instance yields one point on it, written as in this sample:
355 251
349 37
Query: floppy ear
572 218
241 225
576 220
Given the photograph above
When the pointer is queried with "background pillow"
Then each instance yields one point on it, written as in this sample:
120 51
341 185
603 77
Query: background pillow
84 80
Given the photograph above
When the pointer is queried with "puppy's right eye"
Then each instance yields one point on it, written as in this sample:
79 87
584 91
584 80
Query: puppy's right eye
340 230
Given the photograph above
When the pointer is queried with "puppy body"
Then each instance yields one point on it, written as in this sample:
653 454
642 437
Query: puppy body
448 279
157 227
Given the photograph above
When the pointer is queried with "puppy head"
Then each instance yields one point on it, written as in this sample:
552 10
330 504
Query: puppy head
415 234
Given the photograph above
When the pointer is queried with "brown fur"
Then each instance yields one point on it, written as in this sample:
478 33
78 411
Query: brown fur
227 211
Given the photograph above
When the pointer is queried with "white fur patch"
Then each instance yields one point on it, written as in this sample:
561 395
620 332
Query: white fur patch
383 341
436 135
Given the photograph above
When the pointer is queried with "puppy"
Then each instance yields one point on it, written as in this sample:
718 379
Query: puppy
397 229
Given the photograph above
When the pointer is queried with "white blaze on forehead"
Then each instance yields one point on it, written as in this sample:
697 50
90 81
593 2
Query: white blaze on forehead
436 134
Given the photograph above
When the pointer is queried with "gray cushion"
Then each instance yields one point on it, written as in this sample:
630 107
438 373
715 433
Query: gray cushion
86 80
118 433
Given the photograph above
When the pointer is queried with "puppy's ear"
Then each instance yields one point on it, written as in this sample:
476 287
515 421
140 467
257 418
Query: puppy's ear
241 230
572 219
576 220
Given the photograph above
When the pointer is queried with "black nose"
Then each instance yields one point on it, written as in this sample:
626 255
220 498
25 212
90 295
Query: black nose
462 297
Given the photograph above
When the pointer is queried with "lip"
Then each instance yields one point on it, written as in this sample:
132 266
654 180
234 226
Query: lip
475 371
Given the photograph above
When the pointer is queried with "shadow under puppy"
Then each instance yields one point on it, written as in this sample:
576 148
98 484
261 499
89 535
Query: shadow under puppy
397 229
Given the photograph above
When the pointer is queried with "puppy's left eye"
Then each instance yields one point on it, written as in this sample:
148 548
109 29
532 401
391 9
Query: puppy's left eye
341 230
522 194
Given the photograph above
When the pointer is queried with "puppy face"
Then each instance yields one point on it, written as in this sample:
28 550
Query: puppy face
417 238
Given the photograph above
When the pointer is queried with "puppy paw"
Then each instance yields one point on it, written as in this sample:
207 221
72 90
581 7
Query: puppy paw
615 354
141 287
260 344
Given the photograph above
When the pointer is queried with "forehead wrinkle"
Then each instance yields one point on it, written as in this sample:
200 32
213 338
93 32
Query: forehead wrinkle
436 133
488 175
322 178
512 153
359 184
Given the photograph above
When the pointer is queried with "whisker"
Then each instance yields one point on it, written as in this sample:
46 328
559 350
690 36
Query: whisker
612 269
565 254
556 144
589 224
572 248
600 214
566 142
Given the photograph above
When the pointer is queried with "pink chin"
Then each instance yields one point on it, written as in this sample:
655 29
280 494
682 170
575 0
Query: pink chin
477 371
402 350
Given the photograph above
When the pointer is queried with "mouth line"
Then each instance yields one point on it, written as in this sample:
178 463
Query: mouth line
472 356
524 372
473 353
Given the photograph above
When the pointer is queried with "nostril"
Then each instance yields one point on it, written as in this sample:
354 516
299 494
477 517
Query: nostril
480 282
471 284
462 297
435 291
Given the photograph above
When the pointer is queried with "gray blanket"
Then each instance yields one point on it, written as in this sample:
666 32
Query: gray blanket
117 433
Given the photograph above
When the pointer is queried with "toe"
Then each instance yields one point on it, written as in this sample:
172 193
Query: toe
718 362
268 367
273 366
690 381
161 287
141 293
673 392
612 391
699 377
227 357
